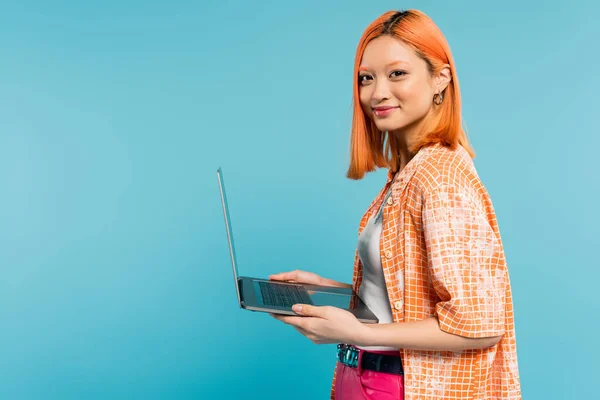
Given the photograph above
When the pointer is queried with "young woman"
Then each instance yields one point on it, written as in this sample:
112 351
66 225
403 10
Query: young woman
429 260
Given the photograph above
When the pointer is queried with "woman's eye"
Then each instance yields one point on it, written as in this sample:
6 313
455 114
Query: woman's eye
397 74
363 78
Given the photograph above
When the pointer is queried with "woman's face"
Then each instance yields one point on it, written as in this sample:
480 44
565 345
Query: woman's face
395 87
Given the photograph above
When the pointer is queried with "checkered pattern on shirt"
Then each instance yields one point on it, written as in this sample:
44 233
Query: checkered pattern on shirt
442 256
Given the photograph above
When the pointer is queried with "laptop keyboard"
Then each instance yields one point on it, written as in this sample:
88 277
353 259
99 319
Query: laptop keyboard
279 295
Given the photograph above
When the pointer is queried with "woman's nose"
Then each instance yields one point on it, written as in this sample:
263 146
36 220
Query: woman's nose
381 91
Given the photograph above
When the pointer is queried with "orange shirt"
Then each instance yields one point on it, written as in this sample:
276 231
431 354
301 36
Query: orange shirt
441 239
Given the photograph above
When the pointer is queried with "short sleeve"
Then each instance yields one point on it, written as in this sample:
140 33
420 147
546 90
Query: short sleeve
466 264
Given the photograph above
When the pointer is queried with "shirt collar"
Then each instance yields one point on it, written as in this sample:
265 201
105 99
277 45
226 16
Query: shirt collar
413 162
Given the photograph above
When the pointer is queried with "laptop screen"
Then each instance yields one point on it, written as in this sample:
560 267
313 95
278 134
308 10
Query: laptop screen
229 230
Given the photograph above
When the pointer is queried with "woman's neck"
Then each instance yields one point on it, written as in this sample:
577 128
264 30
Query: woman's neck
404 153
407 138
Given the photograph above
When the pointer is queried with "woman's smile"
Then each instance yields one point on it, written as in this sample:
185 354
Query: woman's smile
383 111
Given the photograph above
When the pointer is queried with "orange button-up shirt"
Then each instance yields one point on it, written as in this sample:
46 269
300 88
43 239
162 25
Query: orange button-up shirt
440 238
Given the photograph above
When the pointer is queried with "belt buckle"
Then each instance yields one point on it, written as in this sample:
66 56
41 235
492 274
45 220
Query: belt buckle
347 355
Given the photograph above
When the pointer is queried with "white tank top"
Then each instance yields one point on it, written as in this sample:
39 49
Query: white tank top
372 290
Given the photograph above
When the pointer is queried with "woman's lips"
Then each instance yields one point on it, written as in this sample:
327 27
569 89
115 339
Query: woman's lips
384 111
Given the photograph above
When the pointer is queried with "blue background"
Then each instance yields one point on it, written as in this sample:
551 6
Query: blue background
116 280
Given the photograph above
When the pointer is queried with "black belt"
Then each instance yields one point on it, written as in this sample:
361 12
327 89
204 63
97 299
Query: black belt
348 355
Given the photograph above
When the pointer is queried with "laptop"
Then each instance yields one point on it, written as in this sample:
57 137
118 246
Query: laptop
265 295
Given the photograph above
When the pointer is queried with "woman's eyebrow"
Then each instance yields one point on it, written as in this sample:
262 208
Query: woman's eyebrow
397 62
400 62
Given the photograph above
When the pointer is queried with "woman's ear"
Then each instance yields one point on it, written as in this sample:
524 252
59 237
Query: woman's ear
443 78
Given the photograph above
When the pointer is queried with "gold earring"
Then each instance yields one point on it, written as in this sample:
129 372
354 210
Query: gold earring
438 98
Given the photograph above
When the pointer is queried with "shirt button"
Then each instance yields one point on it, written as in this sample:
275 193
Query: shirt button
390 201
398 305
388 254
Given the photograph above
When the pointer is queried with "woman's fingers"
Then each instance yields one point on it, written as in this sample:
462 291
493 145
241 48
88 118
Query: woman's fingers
290 276
294 323
287 320
302 331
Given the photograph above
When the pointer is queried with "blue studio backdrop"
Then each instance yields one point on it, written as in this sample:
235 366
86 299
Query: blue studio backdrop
114 117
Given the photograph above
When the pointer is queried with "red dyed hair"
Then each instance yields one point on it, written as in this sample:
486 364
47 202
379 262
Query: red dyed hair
417 30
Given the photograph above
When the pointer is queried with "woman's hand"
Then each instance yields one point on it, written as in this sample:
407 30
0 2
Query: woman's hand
325 325
310 278
298 276
320 324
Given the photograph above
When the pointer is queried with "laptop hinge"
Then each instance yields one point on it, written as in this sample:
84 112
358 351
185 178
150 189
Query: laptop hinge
240 286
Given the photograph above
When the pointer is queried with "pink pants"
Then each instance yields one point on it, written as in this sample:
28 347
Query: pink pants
361 384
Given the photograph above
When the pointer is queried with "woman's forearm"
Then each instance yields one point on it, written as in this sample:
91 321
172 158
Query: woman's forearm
420 335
